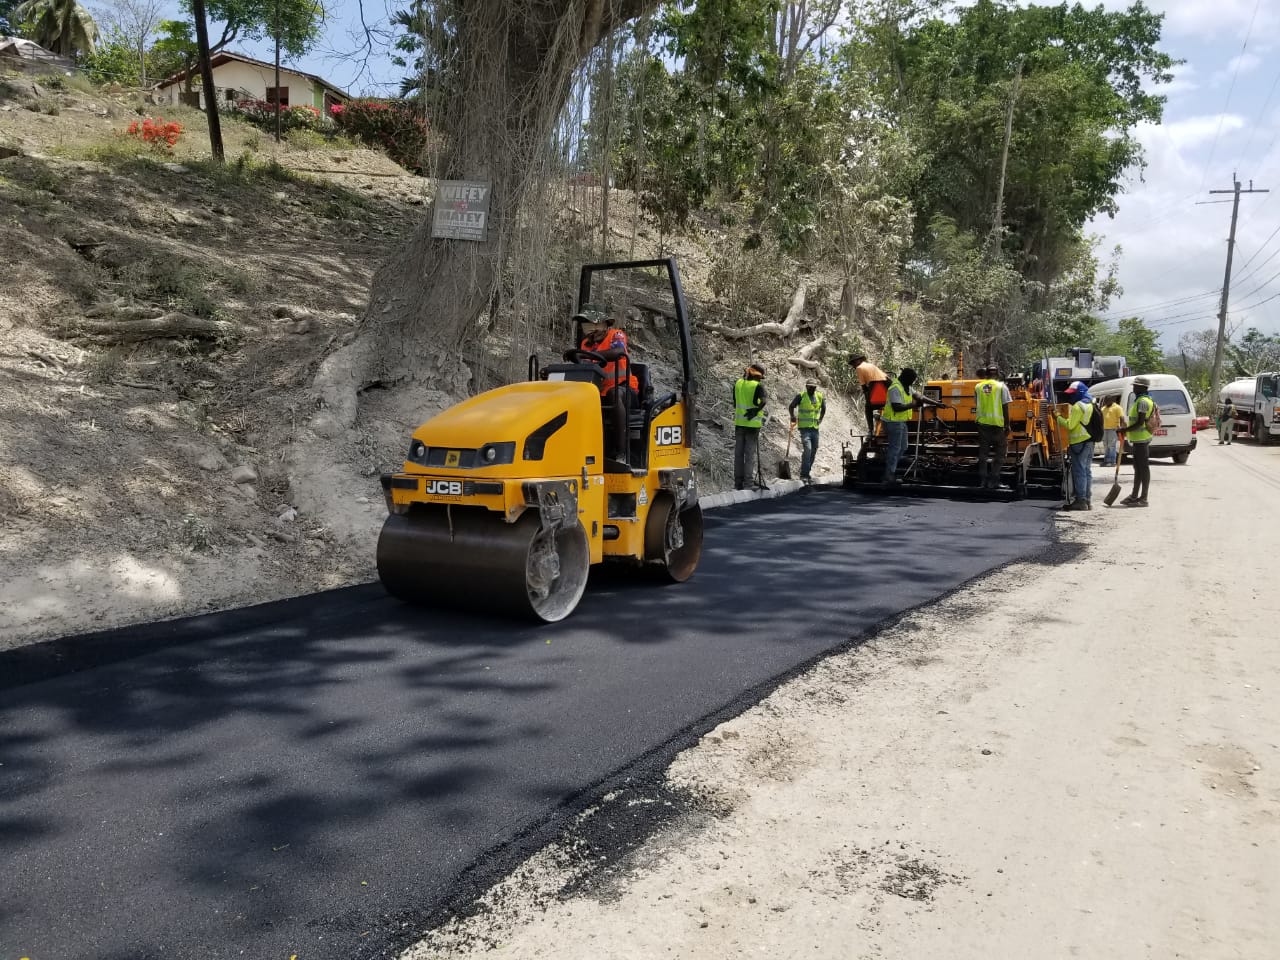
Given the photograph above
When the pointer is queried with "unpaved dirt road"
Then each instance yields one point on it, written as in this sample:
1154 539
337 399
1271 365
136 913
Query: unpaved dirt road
1072 757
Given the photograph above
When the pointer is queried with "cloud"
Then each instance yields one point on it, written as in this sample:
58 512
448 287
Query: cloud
1192 132
1219 19
1236 67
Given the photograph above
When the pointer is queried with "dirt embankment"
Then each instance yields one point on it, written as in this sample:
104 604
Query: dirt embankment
1075 756
160 327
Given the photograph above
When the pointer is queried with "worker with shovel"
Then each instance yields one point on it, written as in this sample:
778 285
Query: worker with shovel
807 411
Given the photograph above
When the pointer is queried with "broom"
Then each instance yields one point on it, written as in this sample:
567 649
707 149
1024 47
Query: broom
1115 484
784 465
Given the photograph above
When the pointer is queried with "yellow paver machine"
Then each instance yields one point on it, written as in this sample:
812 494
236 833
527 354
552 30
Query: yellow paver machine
941 458
508 498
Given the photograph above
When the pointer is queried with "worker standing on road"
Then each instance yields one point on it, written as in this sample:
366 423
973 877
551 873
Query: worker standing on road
1112 418
748 404
993 426
1138 435
1226 422
807 411
1081 444
875 386
899 403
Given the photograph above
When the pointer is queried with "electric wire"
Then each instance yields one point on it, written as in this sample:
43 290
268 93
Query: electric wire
1230 89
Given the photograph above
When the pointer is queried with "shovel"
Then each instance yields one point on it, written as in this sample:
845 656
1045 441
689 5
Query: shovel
784 465
1115 485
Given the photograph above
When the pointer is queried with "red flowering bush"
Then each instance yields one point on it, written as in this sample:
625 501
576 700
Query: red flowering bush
160 136
394 125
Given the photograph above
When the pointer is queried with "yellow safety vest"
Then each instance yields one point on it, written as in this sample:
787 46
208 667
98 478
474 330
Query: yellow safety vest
890 414
807 414
1141 435
990 396
744 398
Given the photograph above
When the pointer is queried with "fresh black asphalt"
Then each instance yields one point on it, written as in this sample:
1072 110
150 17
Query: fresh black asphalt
319 776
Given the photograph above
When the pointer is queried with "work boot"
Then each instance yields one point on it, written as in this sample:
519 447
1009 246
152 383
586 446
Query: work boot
1135 503
1131 498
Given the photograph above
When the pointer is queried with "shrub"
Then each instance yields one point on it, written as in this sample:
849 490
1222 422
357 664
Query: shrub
393 125
263 114
160 136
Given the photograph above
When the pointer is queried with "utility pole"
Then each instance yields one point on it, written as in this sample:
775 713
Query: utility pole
1226 282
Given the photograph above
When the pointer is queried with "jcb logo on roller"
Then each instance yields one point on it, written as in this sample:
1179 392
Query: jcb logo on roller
445 488
670 436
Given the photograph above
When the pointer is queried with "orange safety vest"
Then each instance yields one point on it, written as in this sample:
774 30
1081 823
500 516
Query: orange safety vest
612 340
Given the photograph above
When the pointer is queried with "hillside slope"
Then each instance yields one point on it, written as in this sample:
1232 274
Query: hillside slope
159 331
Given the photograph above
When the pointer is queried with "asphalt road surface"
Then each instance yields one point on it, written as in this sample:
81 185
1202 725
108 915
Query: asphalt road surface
319 776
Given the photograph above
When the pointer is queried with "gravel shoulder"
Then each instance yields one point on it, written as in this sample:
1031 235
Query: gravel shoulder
1078 755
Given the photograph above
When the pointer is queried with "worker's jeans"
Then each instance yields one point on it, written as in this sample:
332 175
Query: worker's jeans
1224 430
745 451
1110 444
809 450
896 433
992 443
1082 469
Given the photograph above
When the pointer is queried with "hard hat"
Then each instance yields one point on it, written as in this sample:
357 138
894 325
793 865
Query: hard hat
811 382
756 368
593 313
1077 386
1142 382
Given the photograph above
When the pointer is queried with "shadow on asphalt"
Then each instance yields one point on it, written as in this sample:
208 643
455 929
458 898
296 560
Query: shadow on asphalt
324 775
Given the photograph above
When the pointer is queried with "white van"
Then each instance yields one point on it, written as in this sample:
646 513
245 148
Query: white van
1177 435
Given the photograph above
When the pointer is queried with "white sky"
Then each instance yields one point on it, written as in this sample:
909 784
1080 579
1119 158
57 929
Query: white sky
1222 115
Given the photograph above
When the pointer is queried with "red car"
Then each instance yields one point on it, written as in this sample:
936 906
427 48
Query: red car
1202 423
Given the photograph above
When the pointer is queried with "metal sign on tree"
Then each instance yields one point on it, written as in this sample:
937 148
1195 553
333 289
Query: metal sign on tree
461 210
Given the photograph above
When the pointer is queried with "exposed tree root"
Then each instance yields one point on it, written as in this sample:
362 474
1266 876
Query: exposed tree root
804 356
128 326
785 329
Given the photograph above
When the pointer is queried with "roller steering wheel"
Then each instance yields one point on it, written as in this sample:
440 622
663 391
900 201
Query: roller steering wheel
577 356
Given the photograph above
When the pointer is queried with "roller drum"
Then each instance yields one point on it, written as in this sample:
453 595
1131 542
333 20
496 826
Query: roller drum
471 559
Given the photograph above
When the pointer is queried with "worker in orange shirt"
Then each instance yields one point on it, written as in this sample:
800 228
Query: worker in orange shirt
601 336
875 386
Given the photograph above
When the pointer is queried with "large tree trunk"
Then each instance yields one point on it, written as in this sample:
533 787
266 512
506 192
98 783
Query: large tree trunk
517 64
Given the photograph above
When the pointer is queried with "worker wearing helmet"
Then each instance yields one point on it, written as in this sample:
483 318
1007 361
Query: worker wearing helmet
1138 436
807 410
875 384
601 336
748 406
993 399
894 418
1080 451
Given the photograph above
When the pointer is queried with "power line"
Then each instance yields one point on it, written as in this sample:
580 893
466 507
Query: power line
1262 112
1161 305
1223 115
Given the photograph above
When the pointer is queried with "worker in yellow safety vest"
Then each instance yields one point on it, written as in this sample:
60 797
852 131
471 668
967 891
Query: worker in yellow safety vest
1138 437
894 418
748 417
993 399
807 411
1080 444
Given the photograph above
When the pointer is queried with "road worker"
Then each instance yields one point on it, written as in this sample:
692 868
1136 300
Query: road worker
807 410
993 399
1080 451
601 336
895 417
874 382
1138 436
748 404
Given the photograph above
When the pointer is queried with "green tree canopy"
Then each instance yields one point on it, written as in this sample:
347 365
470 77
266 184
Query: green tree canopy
62 26
297 22
1075 77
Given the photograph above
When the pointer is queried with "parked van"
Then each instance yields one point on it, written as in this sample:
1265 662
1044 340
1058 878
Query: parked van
1177 436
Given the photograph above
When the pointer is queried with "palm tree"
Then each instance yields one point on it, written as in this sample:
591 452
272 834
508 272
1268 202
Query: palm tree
62 26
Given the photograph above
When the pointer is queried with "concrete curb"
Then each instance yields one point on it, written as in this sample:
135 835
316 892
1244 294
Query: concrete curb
776 488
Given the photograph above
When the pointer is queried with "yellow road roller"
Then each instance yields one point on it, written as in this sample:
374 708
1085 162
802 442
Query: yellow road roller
507 499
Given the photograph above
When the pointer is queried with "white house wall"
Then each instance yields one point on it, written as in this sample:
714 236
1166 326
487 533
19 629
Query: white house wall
252 82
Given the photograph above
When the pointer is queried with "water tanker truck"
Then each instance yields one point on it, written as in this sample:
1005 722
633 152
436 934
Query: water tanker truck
1257 403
